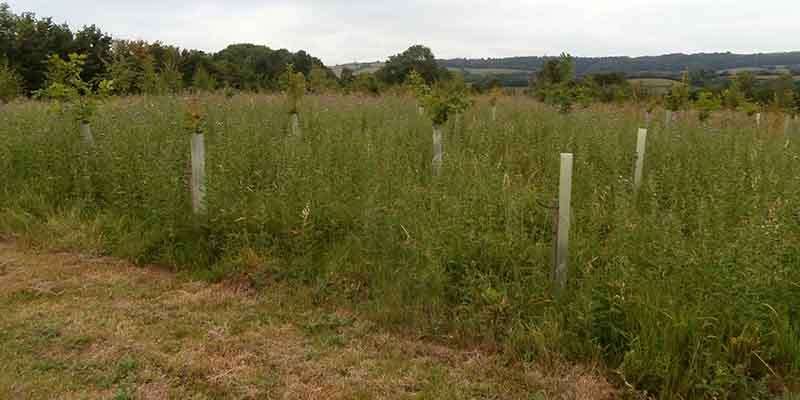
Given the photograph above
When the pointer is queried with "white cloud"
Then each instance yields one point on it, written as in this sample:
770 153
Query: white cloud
344 31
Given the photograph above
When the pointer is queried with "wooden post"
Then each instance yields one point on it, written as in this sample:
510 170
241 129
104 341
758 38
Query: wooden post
198 179
641 143
86 134
295 124
562 233
438 150
494 113
787 123
758 120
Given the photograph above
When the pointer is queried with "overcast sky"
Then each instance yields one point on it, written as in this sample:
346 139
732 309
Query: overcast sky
340 31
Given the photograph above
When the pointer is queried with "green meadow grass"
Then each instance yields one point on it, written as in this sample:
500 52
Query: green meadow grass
689 288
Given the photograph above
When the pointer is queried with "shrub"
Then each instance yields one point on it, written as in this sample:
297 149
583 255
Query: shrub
10 83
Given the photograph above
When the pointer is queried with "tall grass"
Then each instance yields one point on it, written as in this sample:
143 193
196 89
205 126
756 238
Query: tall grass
688 288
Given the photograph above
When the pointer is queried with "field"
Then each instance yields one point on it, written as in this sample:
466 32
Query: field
657 85
491 71
77 326
687 288
771 77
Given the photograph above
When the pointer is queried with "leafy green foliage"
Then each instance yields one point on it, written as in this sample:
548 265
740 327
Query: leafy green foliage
294 85
445 100
10 83
784 98
416 58
733 97
747 82
555 83
367 84
203 81
678 97
669 286
137 67
321 80
65 85
416 84
705 104
555 72
750 108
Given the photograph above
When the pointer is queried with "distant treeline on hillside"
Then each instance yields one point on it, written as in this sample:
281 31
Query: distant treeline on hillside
515 71
670 64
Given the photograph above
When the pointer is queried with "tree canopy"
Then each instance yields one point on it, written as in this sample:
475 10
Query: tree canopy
27 42
416 58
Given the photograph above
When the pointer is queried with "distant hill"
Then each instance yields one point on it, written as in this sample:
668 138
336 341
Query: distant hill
358 68
515 71
670 64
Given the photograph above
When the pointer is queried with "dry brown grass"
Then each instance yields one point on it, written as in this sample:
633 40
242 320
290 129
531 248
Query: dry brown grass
75 326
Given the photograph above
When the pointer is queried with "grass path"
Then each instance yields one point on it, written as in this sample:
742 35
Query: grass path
80 327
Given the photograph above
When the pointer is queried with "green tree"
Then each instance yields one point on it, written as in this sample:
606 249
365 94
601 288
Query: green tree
784 89
35 40
202 80
750 108
733 97
8 31
294 85
65 84
747 83
10 83
416 58
170 79
90 40
416 85
555 83
678 96
347 77
367 83
446 99
148 79
250 66
706 104
321 80
556 71
122 69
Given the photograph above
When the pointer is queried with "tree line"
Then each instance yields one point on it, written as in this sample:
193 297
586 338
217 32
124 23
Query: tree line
669 65
558 84
35 52
27 42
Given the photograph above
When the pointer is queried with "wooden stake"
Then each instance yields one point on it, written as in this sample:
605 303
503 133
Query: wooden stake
758 120
295 123
438 150
494 113
198 179
562 233
641 144
86 134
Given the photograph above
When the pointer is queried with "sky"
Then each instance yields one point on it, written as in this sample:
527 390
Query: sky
340 31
